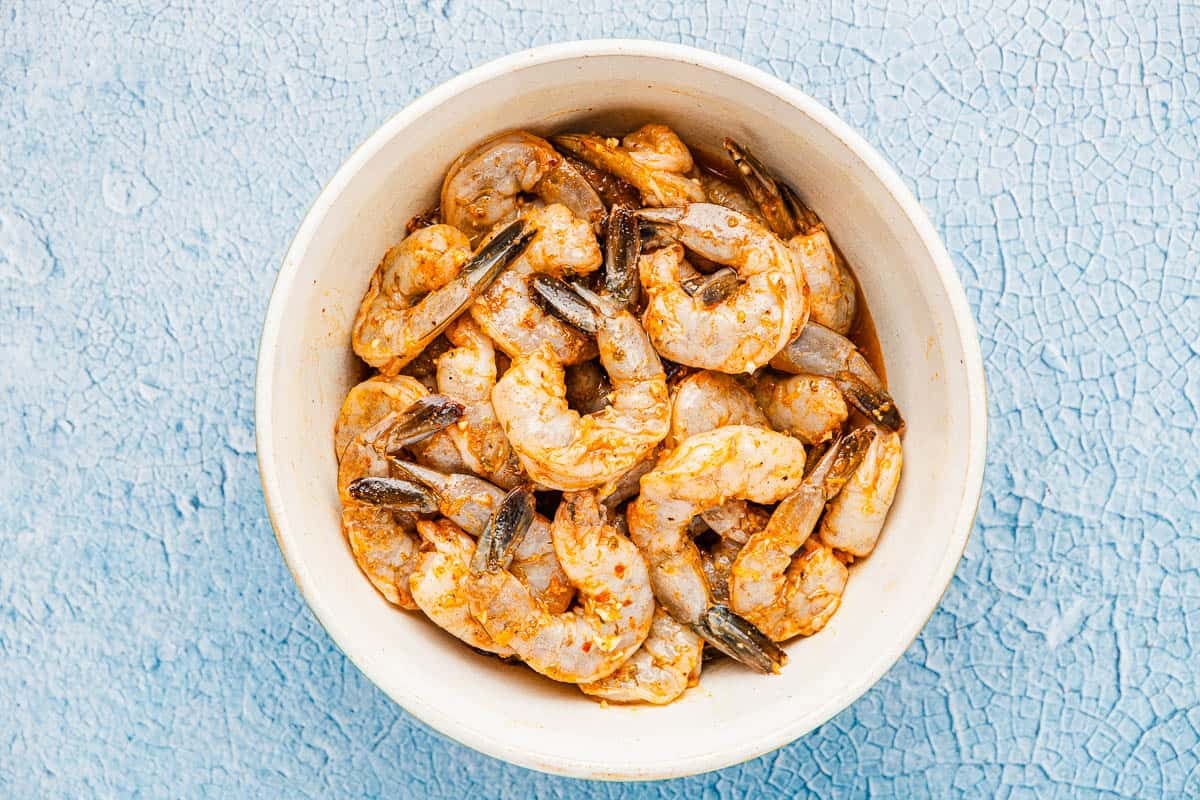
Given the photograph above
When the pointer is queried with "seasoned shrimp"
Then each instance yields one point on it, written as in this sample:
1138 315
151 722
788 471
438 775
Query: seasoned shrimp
468 373
564 245
617 605
855 517
379 532
658 187
663 668
723 193
820 351
704 472
613 191
760 316
439 584
470 502
393 325
833 296
483 186
782 593
809 407
657 147
371 401
561 449
707 400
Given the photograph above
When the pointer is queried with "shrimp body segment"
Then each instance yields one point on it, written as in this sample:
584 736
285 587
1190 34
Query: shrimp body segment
642 166
750 325
616 605
664 667
561 449
809 407
855 517
438 583
708 400
483 186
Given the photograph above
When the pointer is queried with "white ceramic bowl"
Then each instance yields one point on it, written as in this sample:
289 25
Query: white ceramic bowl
305 368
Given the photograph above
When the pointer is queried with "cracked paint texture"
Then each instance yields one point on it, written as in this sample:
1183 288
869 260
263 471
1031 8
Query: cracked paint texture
154 162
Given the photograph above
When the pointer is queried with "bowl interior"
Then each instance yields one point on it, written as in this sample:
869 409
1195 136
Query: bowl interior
308 367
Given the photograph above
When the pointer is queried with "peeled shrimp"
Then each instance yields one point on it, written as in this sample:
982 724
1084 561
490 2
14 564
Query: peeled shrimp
820 351
707 400
369 402
470 502
723 193
782 593
855 517
809 407
439 584
663 668
617 605
832 295
483 186
658 186
564 245
704 472
747 328
657 147
393 325
561 449
468 373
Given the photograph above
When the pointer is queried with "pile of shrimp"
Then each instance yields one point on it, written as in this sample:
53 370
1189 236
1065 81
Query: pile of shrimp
616 417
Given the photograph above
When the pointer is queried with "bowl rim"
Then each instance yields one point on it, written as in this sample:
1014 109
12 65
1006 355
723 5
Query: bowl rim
965 329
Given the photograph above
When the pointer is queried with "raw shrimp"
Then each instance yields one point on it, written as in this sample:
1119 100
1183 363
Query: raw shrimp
656 146
380 536
393 325
439 584
564 245
613 191
832 293
707 400
370 401
820 351
483 186
723 193
617 605
809 407
658 187
744 331
855 517
663 668
470 502
561 449
704 472
782 593
468 373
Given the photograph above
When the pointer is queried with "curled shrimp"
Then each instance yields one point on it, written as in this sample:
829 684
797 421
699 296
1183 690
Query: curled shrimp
468 373
782 593
743 331
723 193
705 472
664 667
483 187
820 351
470 503
439 583
707 400
854 519
656 146
561 449
507 312
394 322
658 186
378 525
809 407
370 401
592 640
832 291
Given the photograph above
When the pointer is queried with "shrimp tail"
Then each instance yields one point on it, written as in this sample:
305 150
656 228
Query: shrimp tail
421 420
712 289
396 494
877 405
763 190
737 638
622 246
565 302
504 531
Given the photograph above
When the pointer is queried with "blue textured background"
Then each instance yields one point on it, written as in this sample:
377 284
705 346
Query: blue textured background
153 166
